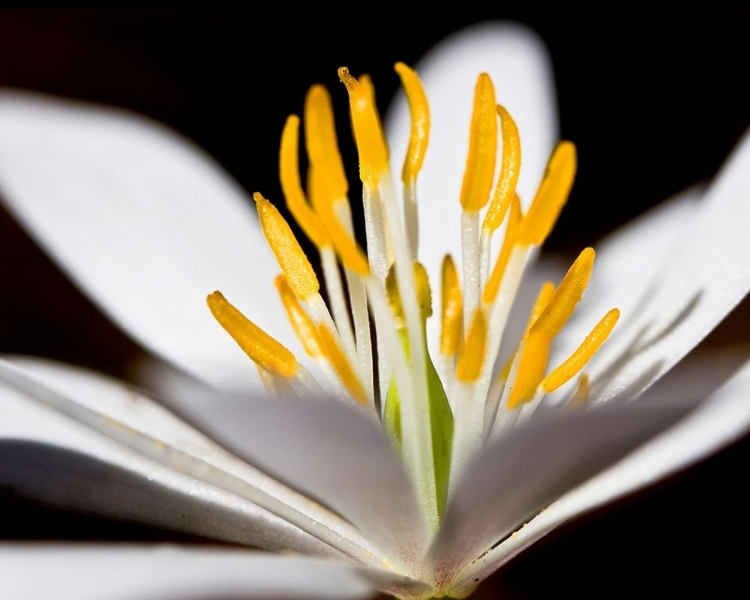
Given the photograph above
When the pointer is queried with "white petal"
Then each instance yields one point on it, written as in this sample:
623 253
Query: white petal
621 258
701 281
334 453
523 472
520 67
718 422
136 572
145 223
143 450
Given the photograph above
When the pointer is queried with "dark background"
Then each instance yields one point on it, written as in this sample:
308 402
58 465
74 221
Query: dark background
654 101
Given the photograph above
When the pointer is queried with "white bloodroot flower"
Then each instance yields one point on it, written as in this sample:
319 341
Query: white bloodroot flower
394 450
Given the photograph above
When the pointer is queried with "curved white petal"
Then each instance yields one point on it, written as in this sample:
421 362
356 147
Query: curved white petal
520 474
718 422
699 283
140 449
144 572
622 269
145 223
334 453
520 67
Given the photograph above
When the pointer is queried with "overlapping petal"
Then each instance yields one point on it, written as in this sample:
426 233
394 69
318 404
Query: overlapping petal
125 572
697 284
144 222
57 445
716 423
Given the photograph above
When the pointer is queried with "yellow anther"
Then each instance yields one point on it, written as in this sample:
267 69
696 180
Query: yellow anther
420 123
347 248
424 293
471 357
480 164
531 367
291 185
511 234
338 361
536 345
551 196
542 299
300 321
373 152
570 367
505 371
509 170
451 310
322 146
566 296
286 249
264 350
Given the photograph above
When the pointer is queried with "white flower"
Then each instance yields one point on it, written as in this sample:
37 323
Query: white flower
147 226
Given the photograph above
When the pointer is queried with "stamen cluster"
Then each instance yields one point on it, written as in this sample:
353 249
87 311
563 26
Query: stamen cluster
436 421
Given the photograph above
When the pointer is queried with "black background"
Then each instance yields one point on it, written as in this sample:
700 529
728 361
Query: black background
653 99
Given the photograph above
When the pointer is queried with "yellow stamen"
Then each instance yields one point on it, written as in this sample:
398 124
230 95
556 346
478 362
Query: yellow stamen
373 152
451 309
531 367
570 367
321 142
566 296
291 185
335 356
420 123
551 196
480 164
542 299
422 287
509 171
286 249
471 358
536 347
511 234
264 350
300 321
327 179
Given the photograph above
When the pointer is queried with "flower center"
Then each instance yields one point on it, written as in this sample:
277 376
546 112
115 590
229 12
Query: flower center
436 422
